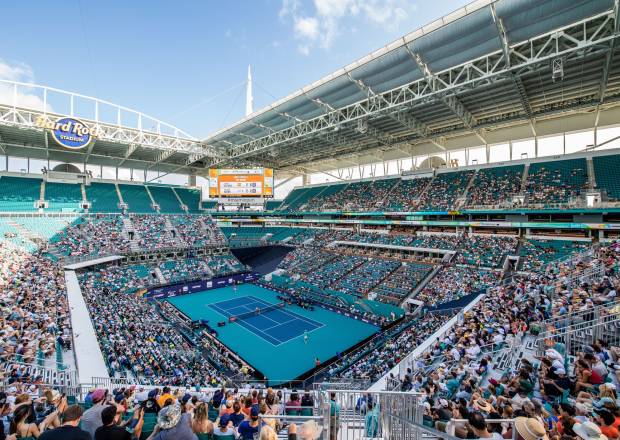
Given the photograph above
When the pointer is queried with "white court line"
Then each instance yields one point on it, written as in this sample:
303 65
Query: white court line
281 323
266 336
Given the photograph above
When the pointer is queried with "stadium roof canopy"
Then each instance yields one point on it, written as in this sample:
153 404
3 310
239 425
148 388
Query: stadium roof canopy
489 72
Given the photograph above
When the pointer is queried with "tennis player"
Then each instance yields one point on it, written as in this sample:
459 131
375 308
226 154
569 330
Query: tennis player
306 338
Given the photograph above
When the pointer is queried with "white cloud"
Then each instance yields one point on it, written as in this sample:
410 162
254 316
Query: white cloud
321 26
25 96
307 27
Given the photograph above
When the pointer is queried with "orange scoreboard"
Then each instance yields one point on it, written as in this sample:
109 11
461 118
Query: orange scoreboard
239 183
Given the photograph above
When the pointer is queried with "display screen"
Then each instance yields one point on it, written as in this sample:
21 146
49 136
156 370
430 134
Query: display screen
228 182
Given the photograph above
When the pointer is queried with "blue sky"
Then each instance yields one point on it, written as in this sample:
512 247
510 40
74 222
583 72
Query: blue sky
185 62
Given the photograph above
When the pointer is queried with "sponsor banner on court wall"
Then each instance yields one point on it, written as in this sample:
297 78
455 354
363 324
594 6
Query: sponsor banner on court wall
199 285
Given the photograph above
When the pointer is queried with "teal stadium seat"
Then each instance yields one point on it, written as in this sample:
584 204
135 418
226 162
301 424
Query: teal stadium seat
190 197
166 199
136 198
63 197
103 197
606 175
556 182
18 194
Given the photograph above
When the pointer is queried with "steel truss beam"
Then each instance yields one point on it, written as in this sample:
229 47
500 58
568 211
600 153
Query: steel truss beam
130 150
451 101
591 35
132 137
608 62
503 40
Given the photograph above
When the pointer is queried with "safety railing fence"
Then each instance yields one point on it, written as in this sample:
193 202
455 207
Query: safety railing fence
579 316
575 337
42 374
586 276
357 415
345 384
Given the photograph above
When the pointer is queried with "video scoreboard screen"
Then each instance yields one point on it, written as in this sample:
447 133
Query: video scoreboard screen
240 183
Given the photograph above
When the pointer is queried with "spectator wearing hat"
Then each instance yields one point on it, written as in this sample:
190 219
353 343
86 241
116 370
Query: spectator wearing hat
248 428
69 430
310 430
173 425
529 429
91 419
225 429
588 431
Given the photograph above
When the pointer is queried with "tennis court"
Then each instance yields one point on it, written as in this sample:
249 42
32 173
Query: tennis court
275 326
274 346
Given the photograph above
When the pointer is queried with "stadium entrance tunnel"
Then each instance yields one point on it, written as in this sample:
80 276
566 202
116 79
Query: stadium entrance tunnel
262 259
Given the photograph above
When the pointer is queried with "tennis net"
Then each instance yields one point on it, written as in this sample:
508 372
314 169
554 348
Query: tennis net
256 312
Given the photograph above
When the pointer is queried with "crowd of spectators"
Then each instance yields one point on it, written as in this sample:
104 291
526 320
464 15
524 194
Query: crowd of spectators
375 359
329 273
34 313
444 190
557 394
486 250
107 234
438 241
405 195
556 182
358 196
99 235
185 269
366 276
494 186
536 254
151 232
401 282
134 412
161 355
197 231
454 282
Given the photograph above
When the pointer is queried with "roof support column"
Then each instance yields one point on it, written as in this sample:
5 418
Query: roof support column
305 179
191 180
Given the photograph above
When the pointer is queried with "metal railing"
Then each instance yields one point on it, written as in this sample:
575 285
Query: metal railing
580 316
46 375
576 336
355 414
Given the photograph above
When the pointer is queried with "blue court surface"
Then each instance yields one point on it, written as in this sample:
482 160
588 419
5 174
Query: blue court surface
273 342
274 326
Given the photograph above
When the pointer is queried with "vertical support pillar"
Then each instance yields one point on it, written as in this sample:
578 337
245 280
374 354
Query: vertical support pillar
191 180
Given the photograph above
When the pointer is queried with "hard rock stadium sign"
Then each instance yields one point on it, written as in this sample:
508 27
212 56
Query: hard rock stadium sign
69 132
